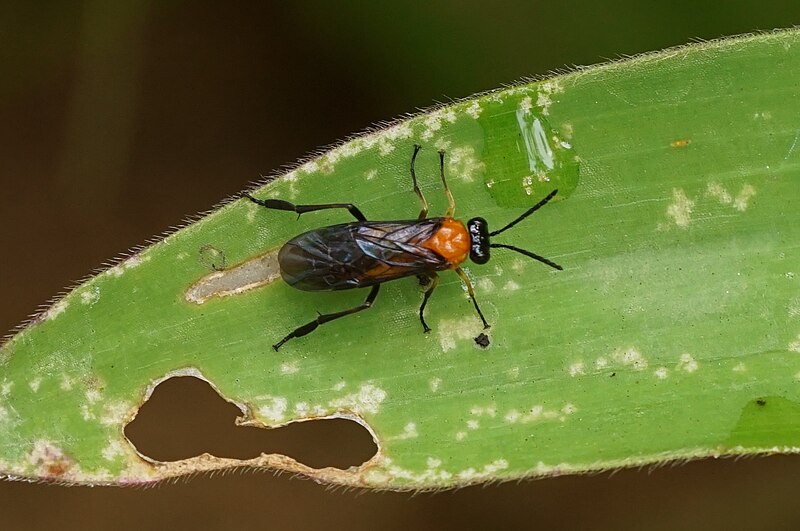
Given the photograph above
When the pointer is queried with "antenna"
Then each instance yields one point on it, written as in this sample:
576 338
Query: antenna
530 211
535 256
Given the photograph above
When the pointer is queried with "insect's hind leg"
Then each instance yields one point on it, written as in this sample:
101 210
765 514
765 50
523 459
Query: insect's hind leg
327 318
279 204
468 284
433 281
424 212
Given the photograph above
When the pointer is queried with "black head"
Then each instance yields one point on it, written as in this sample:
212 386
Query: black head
479 237
479 240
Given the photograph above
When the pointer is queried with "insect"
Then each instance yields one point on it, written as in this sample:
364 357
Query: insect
365 254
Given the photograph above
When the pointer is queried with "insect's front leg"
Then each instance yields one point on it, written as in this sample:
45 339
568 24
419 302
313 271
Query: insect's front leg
280 204
451 202
468 284
424 212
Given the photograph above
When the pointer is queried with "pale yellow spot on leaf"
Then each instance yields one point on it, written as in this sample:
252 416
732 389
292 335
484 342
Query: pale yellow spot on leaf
680 210
576 369
368 399
743 198
687 363
274 409
290 367
716 190
794 346
34 384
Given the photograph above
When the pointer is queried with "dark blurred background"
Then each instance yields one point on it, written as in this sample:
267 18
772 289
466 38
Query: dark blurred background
119 119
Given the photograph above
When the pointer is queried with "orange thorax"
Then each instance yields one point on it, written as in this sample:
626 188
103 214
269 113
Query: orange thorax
451 242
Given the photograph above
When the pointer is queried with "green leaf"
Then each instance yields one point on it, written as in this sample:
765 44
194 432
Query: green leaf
673 331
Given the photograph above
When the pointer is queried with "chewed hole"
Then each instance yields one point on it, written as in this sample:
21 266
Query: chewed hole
185 417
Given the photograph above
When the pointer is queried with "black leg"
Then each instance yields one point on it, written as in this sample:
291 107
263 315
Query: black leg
424 212
328 317
433 280
468 284
279 204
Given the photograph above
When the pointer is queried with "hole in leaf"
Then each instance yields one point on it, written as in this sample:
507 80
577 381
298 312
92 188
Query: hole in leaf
185 417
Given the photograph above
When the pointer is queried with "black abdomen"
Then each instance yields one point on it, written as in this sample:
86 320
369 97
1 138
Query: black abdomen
358 255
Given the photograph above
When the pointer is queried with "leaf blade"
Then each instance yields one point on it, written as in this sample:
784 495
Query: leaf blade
676 313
